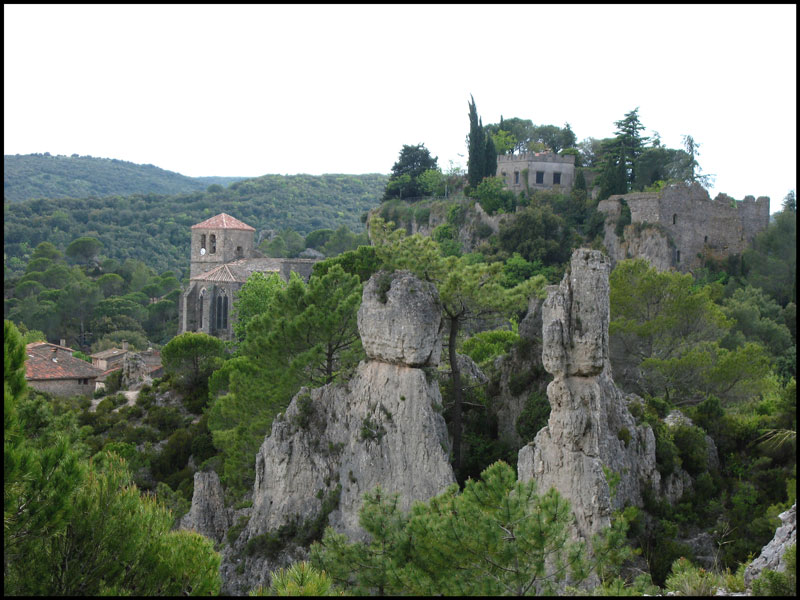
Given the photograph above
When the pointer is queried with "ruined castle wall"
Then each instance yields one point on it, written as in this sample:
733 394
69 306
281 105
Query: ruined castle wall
754 215
694 225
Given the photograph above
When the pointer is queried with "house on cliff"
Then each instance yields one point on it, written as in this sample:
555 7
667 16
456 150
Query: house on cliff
52 368
223 256
536 171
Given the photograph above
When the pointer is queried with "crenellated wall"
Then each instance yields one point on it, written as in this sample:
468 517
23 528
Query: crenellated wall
690 225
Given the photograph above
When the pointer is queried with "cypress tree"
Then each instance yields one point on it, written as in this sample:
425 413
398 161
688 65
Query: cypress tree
490 157
477 148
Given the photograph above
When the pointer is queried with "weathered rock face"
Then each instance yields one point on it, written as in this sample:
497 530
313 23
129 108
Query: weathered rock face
771 556
381 428
208 515
400 320
135 372
590 426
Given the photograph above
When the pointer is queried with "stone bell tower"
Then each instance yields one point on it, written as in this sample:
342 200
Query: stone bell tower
219 240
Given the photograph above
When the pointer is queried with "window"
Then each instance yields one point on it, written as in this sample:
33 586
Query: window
200 310
222 312
674 219
556 178
516 177
213 244
539 176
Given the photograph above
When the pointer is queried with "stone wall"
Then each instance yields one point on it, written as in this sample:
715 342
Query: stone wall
64 387
681 226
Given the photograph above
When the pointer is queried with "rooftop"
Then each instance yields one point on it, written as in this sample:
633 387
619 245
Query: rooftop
49 361
108 353
223 221
240 270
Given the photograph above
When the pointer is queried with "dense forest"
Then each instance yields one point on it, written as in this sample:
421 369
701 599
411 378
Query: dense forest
30 176
718 344
155 229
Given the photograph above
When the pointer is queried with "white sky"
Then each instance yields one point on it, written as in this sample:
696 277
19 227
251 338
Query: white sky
248 90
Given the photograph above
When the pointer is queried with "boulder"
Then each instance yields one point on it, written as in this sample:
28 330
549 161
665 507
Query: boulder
135 372
400 320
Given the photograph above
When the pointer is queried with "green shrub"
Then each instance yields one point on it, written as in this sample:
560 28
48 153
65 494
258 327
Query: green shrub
689 580
384 284
456 214
486 346
624 435
692 448
534 416
667 453
483 230
305 409
237 528
623 219
165 418
422 215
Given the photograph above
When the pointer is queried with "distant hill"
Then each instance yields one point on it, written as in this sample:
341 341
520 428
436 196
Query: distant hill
155 228
27 176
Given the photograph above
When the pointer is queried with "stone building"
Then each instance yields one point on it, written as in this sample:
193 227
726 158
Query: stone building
680 226
52 368
543 171
223 255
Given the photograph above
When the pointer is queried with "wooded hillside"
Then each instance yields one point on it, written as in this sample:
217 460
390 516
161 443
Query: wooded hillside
155 228
44 176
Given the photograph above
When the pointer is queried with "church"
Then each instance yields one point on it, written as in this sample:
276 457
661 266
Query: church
223 256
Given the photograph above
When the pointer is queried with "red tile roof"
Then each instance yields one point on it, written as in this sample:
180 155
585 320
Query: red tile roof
48 361
223 221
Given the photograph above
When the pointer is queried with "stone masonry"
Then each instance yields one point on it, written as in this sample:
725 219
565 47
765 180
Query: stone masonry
681 225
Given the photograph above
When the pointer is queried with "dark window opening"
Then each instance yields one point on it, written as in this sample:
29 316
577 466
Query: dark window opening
674 219
222 312
556 178
539 176
516 177
213 244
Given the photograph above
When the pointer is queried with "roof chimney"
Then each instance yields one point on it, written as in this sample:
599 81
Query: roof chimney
124 345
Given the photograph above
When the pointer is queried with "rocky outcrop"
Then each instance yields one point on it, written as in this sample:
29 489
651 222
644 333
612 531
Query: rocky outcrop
381 428
208 515
135 372
771 556
400 320
591 438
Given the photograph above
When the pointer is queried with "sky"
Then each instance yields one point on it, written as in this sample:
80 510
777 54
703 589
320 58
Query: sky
248 90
